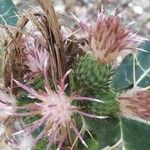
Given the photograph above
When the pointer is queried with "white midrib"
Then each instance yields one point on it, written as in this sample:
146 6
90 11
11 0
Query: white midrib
143 75
121 134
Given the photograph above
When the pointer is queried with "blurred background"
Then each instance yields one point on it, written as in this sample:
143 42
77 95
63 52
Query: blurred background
132 11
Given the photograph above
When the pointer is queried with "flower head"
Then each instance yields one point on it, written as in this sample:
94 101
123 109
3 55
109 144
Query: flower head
108 39
56 110
135 103
11 138
36 54
7 105
20 141
16 141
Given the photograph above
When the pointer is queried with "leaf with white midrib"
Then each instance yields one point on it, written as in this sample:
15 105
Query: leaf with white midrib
143 63
125 76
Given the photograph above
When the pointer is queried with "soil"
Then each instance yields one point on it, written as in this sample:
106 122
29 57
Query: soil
132 11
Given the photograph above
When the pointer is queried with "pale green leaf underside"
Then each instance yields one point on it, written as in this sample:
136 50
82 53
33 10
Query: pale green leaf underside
8 12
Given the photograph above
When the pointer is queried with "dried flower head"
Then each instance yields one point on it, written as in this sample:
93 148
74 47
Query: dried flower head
135 103
56 110
108 39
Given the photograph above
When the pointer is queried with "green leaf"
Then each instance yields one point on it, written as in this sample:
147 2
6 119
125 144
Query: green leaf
41 144
128 74
106 130
92 145
123 76
142 70
8 12
121 134
136 135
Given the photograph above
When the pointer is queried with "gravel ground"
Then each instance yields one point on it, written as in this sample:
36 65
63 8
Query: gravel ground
136 11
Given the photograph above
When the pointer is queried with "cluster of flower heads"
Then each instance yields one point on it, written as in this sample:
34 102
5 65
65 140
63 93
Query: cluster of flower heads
55 108
108 39
109 42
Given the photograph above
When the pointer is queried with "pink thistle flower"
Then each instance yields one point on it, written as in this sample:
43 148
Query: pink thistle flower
36 54
21 141
135 103
57 112
108 39
7 105
13 140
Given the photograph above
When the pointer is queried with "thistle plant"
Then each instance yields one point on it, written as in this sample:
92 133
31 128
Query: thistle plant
59 93
108 38
109 42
